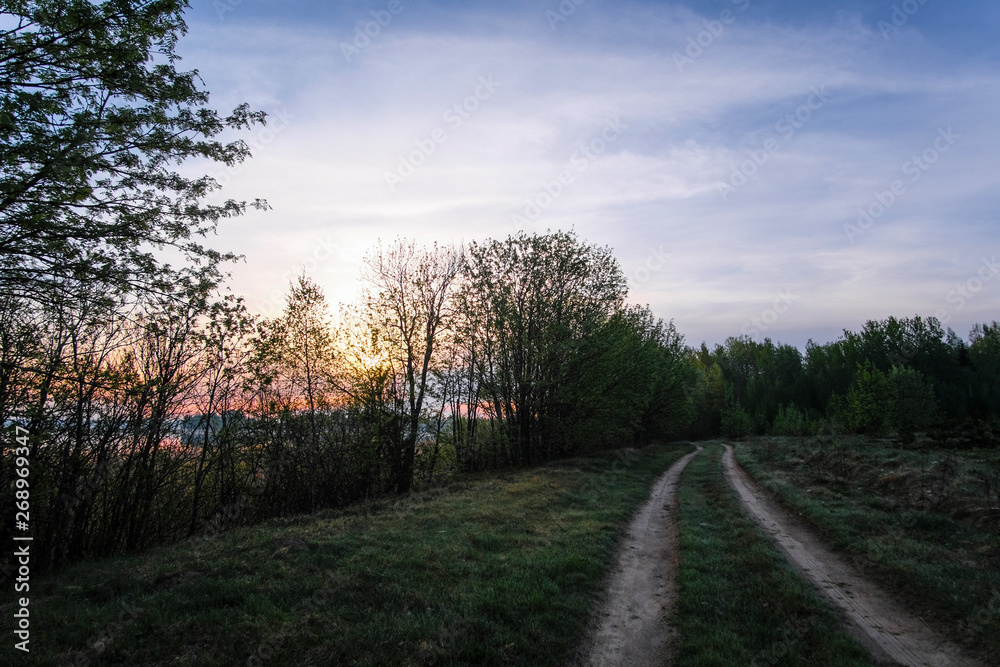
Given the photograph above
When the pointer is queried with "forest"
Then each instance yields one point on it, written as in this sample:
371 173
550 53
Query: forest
896 376
159 407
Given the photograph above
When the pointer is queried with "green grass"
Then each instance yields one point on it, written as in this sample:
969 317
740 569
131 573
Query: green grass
915 518
739 602
497 569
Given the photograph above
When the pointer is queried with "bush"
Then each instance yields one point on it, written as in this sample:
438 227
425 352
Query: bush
911 402
868 401
736 422
790 420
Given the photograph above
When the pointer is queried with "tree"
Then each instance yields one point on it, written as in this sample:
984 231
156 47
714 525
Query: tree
408 301
94 119
868 401
225 349
293 364
911 402
531 307
984 356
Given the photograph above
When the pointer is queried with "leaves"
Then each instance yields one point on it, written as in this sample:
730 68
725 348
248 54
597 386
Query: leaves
94 119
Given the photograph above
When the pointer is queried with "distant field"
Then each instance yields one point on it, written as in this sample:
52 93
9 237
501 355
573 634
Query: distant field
495 569
922 520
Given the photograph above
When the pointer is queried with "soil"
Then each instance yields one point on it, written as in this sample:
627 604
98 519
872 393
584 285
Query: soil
891 634
630 627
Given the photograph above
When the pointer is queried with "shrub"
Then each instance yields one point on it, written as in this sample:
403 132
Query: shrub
911 402
736 422
868 401
790 420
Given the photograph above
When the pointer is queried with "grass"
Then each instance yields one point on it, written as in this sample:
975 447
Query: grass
739 602
497 569
919 519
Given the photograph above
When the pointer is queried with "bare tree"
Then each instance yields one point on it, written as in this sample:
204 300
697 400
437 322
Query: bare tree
408 301
293 364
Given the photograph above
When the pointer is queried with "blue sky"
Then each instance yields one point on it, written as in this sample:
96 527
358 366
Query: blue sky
779 169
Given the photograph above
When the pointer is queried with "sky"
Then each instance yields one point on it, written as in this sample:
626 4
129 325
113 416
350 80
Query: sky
766 168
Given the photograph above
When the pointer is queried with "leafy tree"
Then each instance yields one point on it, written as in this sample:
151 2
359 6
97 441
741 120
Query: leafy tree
666 400
790 420
736 421
911 402
868 401
708 393
984 358
94 118
532 306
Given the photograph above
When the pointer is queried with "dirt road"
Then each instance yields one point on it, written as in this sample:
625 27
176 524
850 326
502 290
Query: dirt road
630 627
891 634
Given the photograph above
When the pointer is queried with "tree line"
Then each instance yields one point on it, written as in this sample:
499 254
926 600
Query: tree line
896 376
158 407
157 418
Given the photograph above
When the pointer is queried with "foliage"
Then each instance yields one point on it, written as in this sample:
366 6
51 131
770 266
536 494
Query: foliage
916 518
911 402
901 375
165 418
737 422
536 314
868 401
790 420
94 119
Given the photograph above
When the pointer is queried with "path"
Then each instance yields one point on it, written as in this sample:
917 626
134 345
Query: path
891 634
632 621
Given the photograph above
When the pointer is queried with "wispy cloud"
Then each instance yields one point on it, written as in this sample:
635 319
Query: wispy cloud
751 89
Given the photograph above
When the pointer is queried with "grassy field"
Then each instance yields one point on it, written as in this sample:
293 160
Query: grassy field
920 519
497 569
739 602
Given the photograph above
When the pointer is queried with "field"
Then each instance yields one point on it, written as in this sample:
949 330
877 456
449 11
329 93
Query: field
495 569
739 602
507 567
921 519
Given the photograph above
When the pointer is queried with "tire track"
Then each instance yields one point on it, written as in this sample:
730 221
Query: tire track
631 626
890 633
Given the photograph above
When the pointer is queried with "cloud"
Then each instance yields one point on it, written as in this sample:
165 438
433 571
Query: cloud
686 131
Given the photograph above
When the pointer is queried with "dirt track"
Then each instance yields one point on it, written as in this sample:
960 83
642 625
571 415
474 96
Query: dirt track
891 634
631 627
